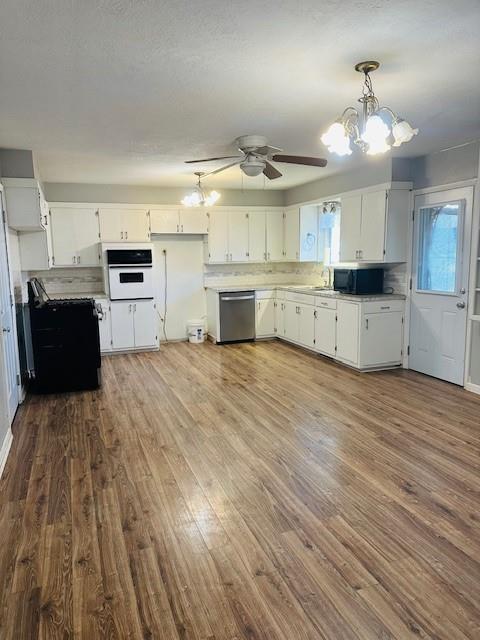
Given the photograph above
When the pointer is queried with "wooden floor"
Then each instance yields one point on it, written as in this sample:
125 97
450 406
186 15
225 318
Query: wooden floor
243 492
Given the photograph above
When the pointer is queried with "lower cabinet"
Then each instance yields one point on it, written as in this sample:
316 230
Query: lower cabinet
381 335
265 318
299 323
347 331
133 324
326 330
104 325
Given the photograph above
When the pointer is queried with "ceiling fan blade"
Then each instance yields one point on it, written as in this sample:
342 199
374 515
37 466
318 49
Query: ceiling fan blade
209 159
311 162
271 172
227 166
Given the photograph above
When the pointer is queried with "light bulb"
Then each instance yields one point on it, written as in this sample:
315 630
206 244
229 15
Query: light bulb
375 135
402 132
337 140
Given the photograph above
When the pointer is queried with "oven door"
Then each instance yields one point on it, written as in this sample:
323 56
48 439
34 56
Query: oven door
130 283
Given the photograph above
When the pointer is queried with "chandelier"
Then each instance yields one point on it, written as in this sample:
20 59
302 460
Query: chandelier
368 130
199 197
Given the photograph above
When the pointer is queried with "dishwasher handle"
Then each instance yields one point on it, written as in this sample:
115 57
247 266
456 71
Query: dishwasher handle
231 298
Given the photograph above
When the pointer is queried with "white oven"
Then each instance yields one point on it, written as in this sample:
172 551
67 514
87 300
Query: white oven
130 274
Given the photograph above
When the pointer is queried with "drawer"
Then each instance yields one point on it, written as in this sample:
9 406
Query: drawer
383 306
265 294
302 298
326 303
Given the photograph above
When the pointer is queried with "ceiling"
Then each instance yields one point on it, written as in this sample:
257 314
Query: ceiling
123 91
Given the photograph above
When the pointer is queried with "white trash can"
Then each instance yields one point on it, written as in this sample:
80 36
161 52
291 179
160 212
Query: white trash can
196 331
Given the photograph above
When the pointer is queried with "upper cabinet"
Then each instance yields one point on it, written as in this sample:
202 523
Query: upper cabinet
228 237
274 236
27 209
124 225
75 236
168 220
300 233
374 226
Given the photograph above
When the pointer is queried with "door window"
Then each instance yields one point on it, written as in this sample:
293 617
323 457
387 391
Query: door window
439 249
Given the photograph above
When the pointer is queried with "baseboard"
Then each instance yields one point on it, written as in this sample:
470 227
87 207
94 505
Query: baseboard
5 450
474 388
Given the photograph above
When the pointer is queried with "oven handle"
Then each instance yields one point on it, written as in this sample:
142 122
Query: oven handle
130 266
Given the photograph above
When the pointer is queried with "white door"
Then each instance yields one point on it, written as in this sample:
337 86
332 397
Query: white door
218 237
86 232
308 241
136 225
194 221
238 237
265 318
63 236
274 229
256 236
440 270
306 325
350 222
144 323
292 234
290 321
325 331
8 352
104 326
279 318
347 331
382 338
164 221
111 225
372 244
121 316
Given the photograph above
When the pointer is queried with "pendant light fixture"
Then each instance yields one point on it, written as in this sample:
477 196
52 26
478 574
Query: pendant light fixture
368 129
199 197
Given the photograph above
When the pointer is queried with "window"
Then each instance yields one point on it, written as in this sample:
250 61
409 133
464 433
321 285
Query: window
329 234
438 257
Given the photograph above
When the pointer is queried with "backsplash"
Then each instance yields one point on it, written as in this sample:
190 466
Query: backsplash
87 280
219 275
396 277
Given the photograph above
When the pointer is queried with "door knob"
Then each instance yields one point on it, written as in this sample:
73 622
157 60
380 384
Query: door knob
461 305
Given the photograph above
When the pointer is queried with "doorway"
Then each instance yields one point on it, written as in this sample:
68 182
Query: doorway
440 273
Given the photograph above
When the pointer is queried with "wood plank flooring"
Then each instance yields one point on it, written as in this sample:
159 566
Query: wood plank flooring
249 491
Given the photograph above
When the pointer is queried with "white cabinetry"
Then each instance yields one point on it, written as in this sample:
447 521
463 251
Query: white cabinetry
75 236
381 334
124 225
274 233
256 236
292 234
265 314
133 324
238 237
374 226
347 331
217 246
228 236
299 319
167 220
326 326
104 325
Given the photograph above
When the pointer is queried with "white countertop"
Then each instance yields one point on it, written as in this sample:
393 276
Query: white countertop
310 290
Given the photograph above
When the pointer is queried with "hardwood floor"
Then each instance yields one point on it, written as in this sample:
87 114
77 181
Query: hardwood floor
243 492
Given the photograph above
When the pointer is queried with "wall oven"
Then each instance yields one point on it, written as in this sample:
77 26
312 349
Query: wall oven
130 274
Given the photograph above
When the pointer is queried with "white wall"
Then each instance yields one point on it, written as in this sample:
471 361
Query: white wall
185 291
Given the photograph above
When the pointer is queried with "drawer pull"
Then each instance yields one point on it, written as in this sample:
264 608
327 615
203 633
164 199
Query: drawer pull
384 308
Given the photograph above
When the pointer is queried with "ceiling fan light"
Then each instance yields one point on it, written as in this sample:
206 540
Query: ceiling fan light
402 132
252 166
337 140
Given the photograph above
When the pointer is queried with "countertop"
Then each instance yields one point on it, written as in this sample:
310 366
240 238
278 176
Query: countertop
310 290
68 295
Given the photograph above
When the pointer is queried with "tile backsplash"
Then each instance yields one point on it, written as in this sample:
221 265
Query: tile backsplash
72 281
219 275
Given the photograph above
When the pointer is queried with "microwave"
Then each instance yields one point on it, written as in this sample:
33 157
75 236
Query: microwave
358 281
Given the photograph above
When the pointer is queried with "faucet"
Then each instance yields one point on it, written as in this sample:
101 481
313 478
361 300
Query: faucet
327 274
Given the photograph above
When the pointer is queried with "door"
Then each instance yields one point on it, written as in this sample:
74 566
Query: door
164 221
372 243
265 318
279 318
136 225
256 236
63 236
238 237
292 234
350 222
8 351
104 325
290 320
306 325
440 271
308 239
325 331
347 331
144 323
121 316
274 226
194 221
111 225
382 337
86 232
218 237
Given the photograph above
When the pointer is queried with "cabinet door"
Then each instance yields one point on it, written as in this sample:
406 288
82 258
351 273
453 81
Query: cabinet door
121 315
256 236
194 221
63 236
104 325
86 230
372 242
164 221
347 331
306 326
350 225
292 234
111 225
308 234
290 318
218 237
381 339
145 326
279 318
265 318
325 331
136 225
274 231
238 237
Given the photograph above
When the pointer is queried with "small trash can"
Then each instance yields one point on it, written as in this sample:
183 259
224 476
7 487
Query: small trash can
196 331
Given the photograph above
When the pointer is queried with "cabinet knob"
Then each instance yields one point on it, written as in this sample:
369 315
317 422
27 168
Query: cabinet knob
74 260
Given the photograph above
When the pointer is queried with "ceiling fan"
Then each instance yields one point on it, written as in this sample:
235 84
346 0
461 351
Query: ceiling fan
256 157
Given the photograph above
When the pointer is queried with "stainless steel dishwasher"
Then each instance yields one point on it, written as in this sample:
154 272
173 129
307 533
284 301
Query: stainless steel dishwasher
237 316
